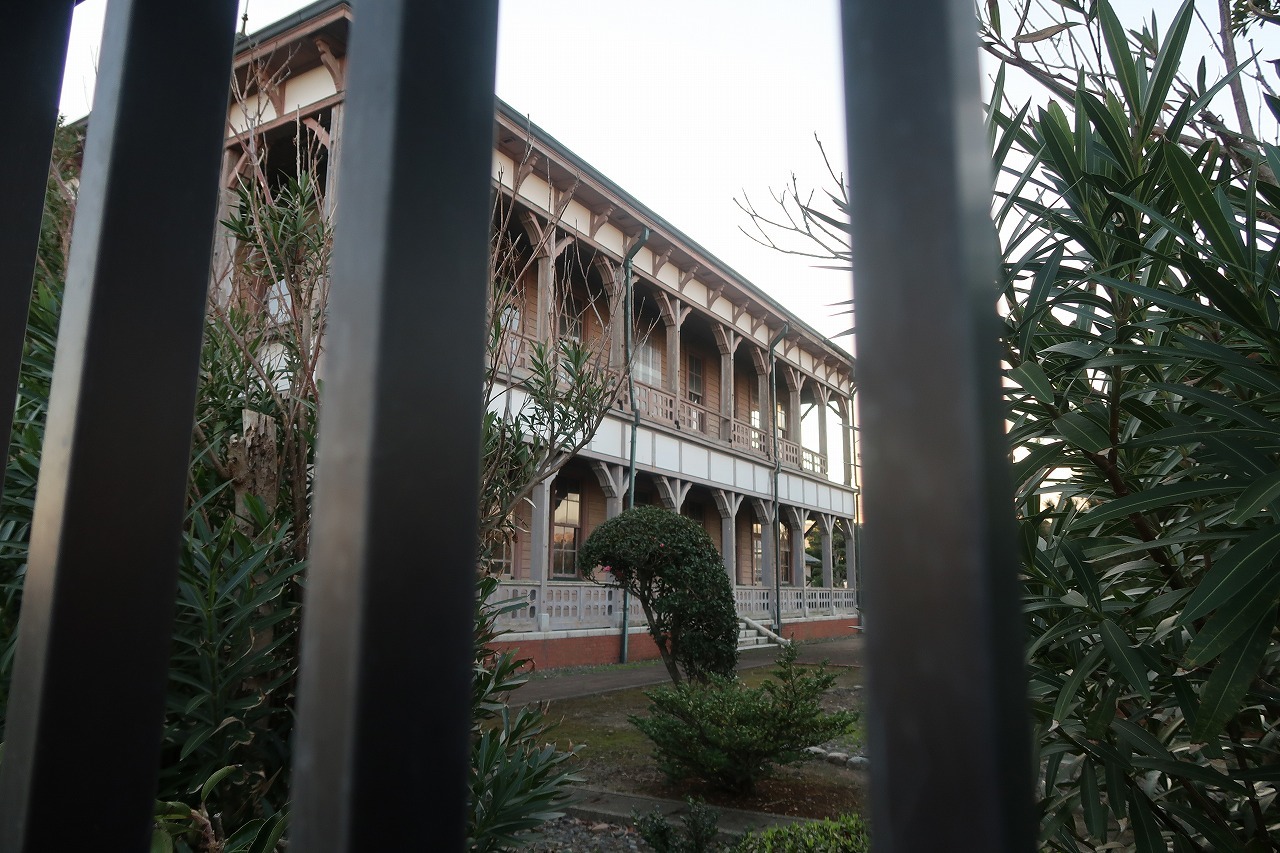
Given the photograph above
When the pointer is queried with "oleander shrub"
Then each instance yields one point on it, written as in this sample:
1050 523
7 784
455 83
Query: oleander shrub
732 735
672 567
845 834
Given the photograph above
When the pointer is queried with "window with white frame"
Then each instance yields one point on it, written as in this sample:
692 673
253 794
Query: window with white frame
648 364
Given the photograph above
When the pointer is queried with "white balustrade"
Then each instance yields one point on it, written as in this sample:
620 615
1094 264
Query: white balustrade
572 605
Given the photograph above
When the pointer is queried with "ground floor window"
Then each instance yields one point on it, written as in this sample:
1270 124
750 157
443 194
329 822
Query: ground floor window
566 528
784 554
757 554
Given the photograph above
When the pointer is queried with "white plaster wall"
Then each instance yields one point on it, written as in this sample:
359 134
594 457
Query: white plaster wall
721 468
695 461
256 110
611 438
307 88
666 453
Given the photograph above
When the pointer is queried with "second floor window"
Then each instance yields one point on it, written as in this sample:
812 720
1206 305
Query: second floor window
648 364
695 380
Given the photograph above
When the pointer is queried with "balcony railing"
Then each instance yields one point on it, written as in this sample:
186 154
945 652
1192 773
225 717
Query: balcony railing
699 419
578 605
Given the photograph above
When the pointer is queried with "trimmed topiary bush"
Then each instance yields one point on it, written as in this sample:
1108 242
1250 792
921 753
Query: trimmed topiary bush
732 735
671 566
846 834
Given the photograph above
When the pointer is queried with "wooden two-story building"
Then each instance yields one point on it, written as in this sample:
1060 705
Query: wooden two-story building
701 363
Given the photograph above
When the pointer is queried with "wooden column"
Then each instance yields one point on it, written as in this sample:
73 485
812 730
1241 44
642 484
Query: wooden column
727 342
613 481
674 313
727 503
825 525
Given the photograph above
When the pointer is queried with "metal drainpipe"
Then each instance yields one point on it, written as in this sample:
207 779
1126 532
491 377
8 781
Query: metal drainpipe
635 416
777 470
854 567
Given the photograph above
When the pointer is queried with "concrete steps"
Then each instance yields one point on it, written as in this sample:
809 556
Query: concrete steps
749 638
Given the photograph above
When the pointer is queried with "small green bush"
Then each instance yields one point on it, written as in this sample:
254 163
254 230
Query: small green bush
671 566
697 833
732 735
846 834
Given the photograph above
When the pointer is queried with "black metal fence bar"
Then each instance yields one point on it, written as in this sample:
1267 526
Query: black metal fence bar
949 730
35 52
83 736
382 750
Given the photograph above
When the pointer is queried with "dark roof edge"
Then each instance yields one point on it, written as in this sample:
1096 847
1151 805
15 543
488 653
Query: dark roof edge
288 22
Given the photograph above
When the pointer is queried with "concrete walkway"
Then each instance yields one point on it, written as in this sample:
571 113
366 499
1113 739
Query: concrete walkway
593 681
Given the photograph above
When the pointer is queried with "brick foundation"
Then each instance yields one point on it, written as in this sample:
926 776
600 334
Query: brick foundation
554 653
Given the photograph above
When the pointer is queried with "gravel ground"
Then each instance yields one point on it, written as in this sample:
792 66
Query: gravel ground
571 834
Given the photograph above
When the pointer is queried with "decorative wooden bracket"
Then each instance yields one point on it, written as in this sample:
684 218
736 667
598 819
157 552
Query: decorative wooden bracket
524 170
672 491
234 175
727 502
273 91
764 510
598 219
610 477
560 246
661 261
561 199
726 339
336 67
318 129
673 311
687 276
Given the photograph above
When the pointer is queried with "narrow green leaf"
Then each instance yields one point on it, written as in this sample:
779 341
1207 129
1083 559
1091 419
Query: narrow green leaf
1079 349
1086 579
1187 770
1112 132
1095 813
1198 197
213 780
1235 617
1166 67
1163 298
1083 431
161 842
1126 661
1146 830
1121 57
1069 695
1046 33
1223 693
1233 573
1032 377
1260 493
1155 498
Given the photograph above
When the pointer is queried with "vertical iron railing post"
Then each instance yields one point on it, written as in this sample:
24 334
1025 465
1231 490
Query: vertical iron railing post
382 749
949 728
94 637
34 54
